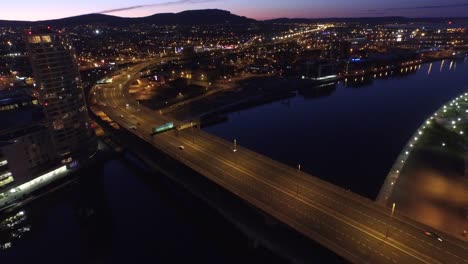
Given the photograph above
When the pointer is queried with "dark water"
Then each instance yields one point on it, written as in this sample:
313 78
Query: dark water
120 212
352 136
114 214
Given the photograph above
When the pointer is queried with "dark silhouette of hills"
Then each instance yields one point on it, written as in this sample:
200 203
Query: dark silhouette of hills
192 17
368 20
290 20
198 17
208 17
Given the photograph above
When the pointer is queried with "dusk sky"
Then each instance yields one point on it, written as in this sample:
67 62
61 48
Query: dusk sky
258 9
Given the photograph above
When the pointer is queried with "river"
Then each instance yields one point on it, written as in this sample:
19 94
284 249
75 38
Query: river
350 136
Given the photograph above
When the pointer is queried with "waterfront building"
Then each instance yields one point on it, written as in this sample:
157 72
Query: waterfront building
42 140
26 154
319 71
26 148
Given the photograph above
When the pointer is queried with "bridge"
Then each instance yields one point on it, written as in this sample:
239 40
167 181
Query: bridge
358 229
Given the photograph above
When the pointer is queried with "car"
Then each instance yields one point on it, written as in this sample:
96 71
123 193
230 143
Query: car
133 127
127 105
181 147
433 235
122 116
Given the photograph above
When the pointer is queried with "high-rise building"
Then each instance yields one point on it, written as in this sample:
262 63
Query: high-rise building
60 92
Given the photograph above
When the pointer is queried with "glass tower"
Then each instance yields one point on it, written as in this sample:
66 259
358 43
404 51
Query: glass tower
60 92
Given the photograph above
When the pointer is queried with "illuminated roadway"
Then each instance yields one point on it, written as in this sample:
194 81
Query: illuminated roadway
348 224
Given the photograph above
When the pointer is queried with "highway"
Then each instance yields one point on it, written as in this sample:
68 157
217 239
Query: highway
354 227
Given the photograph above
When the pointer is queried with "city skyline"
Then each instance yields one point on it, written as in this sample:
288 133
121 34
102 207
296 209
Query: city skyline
174 131
257 9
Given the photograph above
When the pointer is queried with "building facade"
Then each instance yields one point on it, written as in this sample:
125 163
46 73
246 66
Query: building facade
24 153
60 92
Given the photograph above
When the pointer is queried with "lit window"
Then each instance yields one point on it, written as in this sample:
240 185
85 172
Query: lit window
46 38
5 179
5 175
35 39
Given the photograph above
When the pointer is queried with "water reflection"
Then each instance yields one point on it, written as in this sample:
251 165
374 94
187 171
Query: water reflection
12 227
349 137
428 177
318 90
360 82
78 204
432 191
361 130
92 211
368 80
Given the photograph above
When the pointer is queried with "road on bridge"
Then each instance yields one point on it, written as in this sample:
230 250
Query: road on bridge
350 225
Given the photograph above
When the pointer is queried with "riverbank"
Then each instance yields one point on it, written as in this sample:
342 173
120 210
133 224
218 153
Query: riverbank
260 90
429 179
246 94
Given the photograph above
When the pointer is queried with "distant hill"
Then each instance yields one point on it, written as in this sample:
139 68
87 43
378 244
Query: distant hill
198 17
209 17
193 17
368 20
290 20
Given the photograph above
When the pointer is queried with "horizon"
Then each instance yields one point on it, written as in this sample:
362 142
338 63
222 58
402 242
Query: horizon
266 19
255 9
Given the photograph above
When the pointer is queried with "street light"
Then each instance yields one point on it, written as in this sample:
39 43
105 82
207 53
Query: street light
235 145
391 217
191 127
297 184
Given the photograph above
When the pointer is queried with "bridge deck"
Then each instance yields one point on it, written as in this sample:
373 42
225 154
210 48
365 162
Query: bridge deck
348 224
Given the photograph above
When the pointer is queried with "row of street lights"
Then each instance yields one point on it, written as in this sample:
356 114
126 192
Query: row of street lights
234 149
